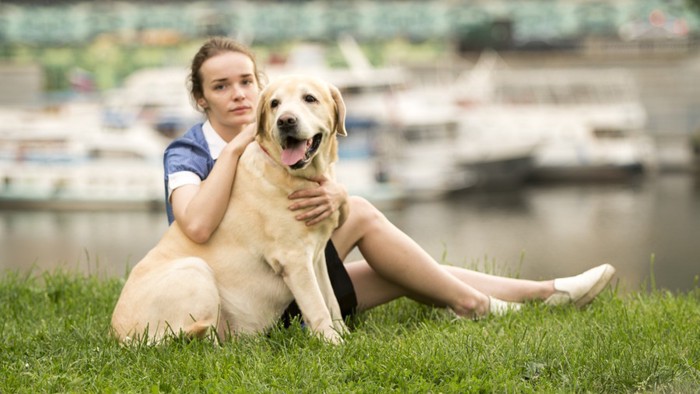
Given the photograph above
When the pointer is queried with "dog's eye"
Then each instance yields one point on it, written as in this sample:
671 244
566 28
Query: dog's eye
310 99
274 103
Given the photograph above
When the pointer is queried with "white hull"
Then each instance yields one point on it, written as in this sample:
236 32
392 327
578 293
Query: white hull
581 123
88 185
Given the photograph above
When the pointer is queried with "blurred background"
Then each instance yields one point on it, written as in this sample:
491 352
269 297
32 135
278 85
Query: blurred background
532 138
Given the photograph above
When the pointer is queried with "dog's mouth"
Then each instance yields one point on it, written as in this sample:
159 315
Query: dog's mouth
297 153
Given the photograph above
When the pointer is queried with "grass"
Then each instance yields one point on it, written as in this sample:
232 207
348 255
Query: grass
55 339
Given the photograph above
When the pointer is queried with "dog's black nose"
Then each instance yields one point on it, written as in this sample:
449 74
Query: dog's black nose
286 120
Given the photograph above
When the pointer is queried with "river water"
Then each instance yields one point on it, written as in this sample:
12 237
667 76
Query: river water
538 231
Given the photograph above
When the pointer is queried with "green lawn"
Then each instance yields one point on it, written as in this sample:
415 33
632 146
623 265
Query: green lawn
55 339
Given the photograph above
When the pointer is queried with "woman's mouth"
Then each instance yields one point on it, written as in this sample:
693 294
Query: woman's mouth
240 109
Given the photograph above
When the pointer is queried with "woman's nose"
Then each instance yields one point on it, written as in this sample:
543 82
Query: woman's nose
237 92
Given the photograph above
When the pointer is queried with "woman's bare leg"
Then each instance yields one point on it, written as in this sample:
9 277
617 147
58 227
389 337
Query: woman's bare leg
373 289
396 266
504 288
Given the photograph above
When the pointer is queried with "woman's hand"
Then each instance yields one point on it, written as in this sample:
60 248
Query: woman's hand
319 202
241 141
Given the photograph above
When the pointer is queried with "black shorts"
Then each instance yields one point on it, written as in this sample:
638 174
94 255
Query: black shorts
342 287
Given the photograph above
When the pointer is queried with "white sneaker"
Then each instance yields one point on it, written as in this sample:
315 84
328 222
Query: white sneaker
496 308
581 289
499 307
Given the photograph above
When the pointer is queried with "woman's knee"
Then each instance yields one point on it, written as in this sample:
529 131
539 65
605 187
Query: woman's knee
363 213
363 219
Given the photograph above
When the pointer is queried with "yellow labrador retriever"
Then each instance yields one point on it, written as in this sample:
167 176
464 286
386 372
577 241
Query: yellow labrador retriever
260 258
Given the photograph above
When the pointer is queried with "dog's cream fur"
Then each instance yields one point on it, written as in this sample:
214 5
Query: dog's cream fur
260 258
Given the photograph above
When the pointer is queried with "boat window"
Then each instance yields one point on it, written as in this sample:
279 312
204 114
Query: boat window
608 133
429 133
114 154
523 91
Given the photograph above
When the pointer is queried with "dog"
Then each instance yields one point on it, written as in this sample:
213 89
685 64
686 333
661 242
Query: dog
260 258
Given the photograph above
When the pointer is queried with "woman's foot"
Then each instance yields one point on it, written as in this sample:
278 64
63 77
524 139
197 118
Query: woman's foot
499 307
581 289
496 307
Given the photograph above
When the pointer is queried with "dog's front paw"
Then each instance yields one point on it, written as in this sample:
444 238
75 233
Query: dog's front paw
340 327
331 335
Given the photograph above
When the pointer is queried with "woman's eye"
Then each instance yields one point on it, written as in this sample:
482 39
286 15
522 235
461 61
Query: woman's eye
274 103
310 99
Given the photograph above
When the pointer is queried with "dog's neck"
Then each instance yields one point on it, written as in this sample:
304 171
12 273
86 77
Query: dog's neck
266 152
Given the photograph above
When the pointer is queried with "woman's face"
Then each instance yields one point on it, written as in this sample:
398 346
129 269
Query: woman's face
230 90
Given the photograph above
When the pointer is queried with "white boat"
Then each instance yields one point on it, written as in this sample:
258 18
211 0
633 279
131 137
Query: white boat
583 123
425 159
492 145
156 97
80 166
104 184
100 154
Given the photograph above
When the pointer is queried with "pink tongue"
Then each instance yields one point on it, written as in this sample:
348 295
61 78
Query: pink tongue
293 153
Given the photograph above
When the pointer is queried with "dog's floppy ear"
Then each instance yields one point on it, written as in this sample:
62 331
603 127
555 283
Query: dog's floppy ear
262 115
339 110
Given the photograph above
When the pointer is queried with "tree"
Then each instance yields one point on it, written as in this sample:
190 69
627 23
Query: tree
694 5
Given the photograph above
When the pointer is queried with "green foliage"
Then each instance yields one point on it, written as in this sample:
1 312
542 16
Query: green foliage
56 339
694 5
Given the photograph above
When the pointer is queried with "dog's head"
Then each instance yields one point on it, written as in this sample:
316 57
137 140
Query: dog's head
298 119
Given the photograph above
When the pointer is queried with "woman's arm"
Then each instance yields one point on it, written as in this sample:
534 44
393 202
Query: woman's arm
199 209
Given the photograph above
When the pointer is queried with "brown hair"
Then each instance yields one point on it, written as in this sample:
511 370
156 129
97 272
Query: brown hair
212 47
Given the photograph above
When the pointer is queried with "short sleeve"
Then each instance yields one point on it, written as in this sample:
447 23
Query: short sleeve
188 154
181 178
185 155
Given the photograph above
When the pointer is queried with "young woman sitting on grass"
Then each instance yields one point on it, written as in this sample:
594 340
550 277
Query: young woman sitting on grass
200 168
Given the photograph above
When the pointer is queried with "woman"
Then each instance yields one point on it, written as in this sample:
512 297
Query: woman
200 168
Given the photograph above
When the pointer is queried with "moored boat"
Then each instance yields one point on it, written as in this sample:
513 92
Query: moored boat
586 123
